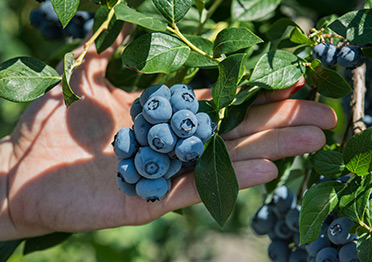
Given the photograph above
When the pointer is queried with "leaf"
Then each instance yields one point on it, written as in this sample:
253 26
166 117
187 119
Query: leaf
277 69
235 114
251 10
231 40
7 248
156 53
328 163
65 10
367 52
317 204
230 71
364 248
125 13
328 82
368 4
197 60
358 153
200 5
173 10
355 26
298 37
24 79
245 94
68 94
278 28
44 242
107 37
216 181
210 108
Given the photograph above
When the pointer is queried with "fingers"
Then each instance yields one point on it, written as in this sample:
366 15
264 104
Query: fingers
284 114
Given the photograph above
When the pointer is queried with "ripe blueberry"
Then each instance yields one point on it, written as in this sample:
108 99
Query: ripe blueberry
155 90
350 57
326 53
189 149
125 144
204 130
184 123
184 99
157 110
152 189
128 189
161 138
151 164
128 171
141 128
135 109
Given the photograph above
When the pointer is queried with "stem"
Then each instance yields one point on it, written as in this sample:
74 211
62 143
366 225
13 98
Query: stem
350 121
210 12
357 102
177 32
221 115
361 223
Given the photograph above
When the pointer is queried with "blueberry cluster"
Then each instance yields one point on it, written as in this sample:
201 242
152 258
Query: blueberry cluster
280 221
350 56
167 133
46 20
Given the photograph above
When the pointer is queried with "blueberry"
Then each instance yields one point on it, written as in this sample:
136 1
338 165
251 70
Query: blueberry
157 110
292 217
141 128
328 254
264 220
204 130
51 32
174 168
161 138
128 189
279 251
350 57
184 123
48 12
189 149
281 230
338 231
326 53
36 18
348 253
321 242
128 171
310 259
184 99
151 164
152 189
155 90
283 199
136 108
298 255
125 144
182 87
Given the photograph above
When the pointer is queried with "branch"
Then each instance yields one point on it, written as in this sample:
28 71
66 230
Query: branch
357 100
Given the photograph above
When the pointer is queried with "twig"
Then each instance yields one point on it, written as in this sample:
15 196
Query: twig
357 100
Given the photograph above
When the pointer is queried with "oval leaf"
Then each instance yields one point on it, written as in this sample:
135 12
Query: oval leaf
68 94
364 247
277 70
24 79
328 163
156 53
298 37
173 10
216 181
251 10
65 10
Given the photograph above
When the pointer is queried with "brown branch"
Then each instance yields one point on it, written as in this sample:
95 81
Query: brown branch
357 100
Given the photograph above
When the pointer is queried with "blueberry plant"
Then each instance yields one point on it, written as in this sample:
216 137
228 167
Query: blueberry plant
243 48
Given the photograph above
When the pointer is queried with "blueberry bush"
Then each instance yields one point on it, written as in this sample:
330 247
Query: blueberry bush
320 206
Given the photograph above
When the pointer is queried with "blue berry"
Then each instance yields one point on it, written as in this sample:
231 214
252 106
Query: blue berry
125 144
48 12
350 57
204 130
184 123
141 128
182 87
264 220
184 99
314 247
281 230
292 217
326 53
189 149
174 168
348 253
136 108
338 231
298 255
152 189
328 254
283 199
155 90
128 171
157 110
36 18
151 164
279 251
128 189
161 138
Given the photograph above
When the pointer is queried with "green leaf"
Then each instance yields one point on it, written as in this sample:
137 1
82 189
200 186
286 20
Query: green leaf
107 37
278 29
173 10
368 4
328 163
68 94
355 26
358 153
197 60
109 3
7 248
235 114
24 79
65 10
277 69
216 181
156 53
251 10
44 242
125 13
210 108
364 248
298 37
318 203
245 94
328 82
367 52
230 71
231 40
200 5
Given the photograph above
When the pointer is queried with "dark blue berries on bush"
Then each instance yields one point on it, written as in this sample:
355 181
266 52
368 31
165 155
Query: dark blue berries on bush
264 220
338 231
326 53
350 57
348 253
161 141
328 254
279 251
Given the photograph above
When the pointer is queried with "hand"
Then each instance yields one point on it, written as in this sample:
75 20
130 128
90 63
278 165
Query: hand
61 173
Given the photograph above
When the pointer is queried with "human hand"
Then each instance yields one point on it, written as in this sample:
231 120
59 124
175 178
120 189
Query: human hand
61 168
